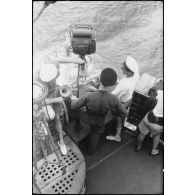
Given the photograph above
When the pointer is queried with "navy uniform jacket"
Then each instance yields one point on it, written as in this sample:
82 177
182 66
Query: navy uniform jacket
97 104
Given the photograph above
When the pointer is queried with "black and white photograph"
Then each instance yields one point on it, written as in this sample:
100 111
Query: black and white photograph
98 97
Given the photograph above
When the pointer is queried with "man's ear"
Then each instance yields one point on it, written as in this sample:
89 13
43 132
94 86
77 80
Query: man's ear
130 73
111 88
156 93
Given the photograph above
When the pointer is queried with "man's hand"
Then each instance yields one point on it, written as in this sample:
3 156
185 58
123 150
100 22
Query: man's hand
73 97
59 100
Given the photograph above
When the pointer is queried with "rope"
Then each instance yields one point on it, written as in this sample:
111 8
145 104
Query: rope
145 89
46 3
40 12
149 59
156 48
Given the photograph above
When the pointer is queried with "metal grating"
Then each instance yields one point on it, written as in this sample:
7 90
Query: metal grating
63 185
49 172
52 171
69 159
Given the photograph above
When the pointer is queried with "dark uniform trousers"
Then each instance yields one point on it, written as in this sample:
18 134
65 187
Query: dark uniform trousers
94 138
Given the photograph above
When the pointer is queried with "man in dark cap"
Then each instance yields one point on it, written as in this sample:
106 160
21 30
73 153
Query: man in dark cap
97 104
124 91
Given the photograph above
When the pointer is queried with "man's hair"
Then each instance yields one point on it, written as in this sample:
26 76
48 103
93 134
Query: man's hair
160 82
126 68
152 91
108 77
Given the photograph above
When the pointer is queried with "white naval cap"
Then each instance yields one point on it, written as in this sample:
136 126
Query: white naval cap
48 72
132 64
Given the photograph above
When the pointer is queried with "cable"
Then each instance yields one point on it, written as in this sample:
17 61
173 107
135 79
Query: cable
46 4
156 48
40 12
149 59
47 110
78 77
145 89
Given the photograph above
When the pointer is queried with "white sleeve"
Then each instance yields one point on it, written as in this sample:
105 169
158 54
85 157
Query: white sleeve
118 91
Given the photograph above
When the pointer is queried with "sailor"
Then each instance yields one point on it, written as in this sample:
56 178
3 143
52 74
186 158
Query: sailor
97 104
54 108
153 122
124 91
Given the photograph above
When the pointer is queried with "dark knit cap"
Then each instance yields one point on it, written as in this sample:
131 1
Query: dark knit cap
108 77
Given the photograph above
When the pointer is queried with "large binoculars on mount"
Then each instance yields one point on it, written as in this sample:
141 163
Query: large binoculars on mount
83 39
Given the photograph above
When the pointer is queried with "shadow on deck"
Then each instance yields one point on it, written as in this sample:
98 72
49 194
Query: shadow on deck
116 168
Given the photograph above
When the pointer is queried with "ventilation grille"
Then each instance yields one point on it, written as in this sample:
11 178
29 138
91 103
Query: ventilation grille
47 173
69 159
63 185
52 171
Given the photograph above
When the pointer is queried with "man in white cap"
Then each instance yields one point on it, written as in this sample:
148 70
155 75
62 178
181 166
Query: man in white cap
124 91
54 108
